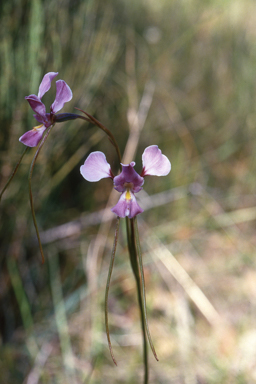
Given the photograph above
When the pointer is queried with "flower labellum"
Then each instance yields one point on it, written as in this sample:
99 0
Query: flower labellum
63 95
129 181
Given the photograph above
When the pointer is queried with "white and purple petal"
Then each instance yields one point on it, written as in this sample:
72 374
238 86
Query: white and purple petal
63 95
46 83
127 176
96 167
127 206
154 162
33 137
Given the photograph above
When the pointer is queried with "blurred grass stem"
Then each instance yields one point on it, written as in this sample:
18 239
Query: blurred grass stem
13 173
61 317
24 305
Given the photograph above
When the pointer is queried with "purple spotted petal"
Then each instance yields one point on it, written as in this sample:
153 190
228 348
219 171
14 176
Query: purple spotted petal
154 163
37 105
63 95
46 83
127 206
128 175
33 137
95 167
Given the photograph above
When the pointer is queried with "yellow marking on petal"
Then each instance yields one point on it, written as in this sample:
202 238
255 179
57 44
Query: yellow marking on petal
37 127
128 195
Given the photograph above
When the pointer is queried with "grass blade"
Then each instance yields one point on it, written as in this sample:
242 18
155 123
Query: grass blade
108 285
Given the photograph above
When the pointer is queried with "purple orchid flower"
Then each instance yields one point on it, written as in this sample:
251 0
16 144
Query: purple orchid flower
129 181
63 95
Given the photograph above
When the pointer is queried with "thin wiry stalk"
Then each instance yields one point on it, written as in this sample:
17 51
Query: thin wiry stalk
134 263
107 131
108 285
30 188
13 173
143 287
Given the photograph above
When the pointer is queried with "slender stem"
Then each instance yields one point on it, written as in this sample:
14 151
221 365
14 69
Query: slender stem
107 131
134 263
108 285
143 286
30 188
13 173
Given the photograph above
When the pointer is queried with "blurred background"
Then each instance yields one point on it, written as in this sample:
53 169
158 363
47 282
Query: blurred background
176 73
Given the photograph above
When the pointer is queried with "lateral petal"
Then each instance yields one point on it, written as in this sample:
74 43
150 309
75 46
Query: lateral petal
154 162
96 167
63 95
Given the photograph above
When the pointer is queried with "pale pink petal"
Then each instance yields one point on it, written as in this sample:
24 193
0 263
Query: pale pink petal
46 83
96 167
63 95
154 162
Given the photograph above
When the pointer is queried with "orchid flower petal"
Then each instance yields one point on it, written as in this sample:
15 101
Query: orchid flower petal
45 120
33 137
63 95
154 162
37 105
39 118
127 206
46 83
128 175
96 167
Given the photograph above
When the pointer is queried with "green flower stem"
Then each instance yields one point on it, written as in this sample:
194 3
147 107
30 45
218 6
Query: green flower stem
108 285
13 173
30 188
135 268
143 285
